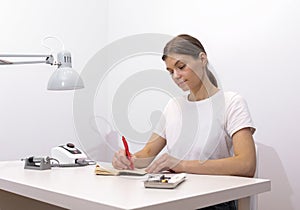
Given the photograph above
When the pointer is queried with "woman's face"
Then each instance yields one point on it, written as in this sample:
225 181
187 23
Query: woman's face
186 71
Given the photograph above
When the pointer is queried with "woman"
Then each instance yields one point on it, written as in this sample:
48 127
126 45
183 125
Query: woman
207 132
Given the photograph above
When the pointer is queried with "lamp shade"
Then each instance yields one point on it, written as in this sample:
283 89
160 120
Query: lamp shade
65 78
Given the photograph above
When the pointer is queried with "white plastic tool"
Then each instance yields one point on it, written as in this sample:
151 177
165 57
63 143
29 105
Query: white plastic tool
68 154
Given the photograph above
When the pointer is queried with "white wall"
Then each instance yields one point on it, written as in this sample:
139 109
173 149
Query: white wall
33 120
253 46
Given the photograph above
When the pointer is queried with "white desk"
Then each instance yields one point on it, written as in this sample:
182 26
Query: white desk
78 188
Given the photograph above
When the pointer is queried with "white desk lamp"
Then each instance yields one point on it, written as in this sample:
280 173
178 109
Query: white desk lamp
64 78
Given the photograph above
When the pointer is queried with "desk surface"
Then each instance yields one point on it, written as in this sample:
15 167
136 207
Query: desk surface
79 188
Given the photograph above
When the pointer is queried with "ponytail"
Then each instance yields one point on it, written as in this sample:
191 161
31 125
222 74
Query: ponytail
211 77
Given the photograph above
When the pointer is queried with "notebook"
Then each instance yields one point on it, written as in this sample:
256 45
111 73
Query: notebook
109 170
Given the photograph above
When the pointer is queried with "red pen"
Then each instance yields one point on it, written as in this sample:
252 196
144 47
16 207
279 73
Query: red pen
128 155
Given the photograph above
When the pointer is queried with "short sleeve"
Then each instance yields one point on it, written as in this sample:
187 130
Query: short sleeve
160 128
237 114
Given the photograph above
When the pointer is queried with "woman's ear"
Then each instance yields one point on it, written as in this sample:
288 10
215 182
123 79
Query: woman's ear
203 57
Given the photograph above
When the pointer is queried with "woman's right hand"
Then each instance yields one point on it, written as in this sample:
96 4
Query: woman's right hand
120 161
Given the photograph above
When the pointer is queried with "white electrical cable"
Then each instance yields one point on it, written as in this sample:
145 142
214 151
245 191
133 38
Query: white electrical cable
52 37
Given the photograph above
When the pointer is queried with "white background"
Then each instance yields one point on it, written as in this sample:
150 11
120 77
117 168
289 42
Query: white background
253 46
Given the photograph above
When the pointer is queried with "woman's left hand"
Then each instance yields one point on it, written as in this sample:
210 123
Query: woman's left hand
165 162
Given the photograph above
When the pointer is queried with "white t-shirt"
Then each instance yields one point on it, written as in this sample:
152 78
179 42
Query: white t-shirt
202 130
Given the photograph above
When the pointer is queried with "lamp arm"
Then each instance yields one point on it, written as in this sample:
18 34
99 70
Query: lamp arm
49 59
64 78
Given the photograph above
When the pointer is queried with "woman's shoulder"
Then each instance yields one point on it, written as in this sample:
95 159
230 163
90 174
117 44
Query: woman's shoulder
175 103
178 99
231 96
234 100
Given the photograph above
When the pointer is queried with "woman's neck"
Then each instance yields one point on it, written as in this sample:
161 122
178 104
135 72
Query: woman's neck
204 91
